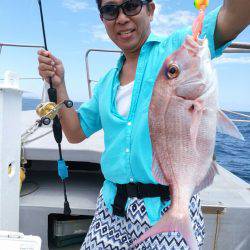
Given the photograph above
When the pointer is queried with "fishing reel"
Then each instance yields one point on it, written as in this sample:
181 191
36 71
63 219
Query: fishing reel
47 111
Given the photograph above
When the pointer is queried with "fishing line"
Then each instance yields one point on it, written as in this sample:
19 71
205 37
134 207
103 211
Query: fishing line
57 128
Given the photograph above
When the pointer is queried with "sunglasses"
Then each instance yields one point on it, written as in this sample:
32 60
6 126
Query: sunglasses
130 8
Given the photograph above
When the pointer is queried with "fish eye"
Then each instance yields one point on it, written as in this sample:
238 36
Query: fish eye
173 71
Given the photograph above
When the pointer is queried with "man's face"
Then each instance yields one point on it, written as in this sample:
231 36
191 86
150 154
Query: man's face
129 32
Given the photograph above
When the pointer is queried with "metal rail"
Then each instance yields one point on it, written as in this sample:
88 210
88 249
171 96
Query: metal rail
240 45
238 48
87 65
233 48
19 45
26 78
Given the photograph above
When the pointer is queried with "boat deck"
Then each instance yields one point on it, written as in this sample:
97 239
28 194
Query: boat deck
225 202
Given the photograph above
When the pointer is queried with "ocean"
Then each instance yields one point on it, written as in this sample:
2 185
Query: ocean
231 153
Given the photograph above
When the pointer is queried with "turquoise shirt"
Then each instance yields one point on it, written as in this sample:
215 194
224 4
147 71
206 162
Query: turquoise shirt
128 150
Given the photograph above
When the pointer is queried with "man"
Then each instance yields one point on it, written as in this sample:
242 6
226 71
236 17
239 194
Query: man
120 106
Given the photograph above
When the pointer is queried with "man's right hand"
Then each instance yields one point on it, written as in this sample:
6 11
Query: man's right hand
50 66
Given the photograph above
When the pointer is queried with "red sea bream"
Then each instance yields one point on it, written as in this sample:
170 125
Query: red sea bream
183 116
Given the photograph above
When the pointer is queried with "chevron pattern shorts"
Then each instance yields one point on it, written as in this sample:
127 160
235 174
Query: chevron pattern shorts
111 232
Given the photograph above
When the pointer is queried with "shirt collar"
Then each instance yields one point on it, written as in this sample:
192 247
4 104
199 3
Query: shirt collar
154 38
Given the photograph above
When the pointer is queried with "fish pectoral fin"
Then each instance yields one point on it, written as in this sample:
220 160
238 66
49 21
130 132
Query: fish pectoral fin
196 109
157 172
226 126
209 177
172 222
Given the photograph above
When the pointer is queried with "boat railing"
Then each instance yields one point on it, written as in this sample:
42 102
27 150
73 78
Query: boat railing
236 47
21 46
90 81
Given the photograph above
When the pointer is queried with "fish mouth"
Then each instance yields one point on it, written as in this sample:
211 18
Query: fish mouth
201 42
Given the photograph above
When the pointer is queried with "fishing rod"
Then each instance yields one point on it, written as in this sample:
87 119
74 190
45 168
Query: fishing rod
57 127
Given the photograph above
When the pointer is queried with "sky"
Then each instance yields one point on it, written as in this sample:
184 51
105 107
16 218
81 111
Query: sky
73 27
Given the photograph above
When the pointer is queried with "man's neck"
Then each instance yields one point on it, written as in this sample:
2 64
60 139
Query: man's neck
132 55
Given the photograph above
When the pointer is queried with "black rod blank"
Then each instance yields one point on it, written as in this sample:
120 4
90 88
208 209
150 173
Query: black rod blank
57 128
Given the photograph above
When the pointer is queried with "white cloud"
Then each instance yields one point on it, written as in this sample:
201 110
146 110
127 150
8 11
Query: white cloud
164 24
241 60
99 33
75 5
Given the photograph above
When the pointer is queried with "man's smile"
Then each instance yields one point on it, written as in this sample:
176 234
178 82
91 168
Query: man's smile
128 31
125 33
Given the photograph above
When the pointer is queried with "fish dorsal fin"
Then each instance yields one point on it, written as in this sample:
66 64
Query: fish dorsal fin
157 173
226 126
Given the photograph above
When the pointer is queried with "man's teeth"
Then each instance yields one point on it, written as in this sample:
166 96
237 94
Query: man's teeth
125 32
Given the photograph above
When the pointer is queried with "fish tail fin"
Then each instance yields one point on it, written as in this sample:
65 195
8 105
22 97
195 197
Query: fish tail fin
226 126
172 223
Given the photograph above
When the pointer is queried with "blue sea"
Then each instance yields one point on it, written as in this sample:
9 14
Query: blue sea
231 153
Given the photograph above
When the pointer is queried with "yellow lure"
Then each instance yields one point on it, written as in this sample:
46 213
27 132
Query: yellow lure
200 4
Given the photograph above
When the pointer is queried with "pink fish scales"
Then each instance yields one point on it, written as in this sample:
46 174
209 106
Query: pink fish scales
183 116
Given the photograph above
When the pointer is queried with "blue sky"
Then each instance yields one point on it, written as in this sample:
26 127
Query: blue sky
73 27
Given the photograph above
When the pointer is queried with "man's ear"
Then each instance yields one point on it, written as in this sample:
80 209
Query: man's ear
101 17
151 9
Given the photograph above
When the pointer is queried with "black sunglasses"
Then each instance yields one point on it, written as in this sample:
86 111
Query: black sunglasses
130 8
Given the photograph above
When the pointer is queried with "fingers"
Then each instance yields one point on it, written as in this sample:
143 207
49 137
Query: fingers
46 73
50 68
46 70
46 57
54 59
44 66
47 64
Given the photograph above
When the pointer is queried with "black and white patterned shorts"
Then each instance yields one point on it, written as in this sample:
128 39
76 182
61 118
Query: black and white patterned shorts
108 231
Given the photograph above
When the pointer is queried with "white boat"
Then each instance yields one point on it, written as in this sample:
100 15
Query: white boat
225 204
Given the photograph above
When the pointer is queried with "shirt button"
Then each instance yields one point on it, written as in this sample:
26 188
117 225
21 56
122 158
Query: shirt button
129 123
127 150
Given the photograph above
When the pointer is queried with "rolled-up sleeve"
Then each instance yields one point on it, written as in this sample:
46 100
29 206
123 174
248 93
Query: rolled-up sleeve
89 115
208 32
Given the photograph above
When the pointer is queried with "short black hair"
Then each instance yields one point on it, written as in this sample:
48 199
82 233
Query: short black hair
99 3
